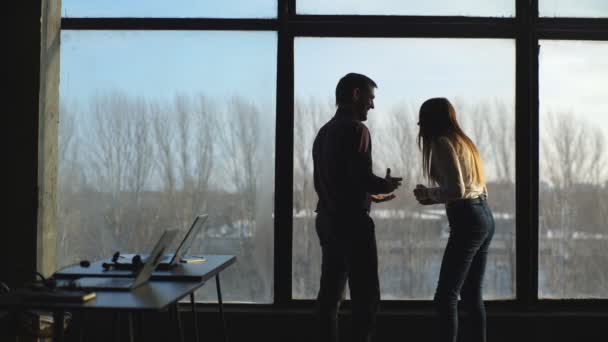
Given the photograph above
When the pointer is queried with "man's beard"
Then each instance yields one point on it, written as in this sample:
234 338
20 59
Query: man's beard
363 114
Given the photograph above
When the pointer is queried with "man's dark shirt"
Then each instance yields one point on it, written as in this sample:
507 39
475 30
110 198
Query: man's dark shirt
342 156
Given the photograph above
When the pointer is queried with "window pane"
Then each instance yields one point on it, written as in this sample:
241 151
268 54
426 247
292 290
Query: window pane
573 237
157 127
474 8
569 8
170 9
479 78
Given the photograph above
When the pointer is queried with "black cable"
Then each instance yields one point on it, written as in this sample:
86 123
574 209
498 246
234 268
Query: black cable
49 283
4 288
40 275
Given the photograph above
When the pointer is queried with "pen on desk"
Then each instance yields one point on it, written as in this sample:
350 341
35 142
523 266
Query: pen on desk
193 259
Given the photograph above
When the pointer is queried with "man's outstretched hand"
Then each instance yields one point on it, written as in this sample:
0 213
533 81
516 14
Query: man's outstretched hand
394 182
382 198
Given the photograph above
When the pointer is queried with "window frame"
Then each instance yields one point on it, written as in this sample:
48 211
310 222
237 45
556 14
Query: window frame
526 29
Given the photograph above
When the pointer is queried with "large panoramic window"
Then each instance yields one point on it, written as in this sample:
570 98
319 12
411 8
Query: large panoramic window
157 127
170 9
478 76
492 8
573 239
170 109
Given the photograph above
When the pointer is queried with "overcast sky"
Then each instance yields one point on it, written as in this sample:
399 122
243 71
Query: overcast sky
267 8
159 64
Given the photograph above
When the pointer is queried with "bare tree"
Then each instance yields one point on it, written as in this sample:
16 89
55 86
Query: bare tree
567 150
70 181
474 118
572 206
120 161
401 234
502 130
164 136
244 148
397 146
308 118
68 144
310 114
194 149
204 124
239 137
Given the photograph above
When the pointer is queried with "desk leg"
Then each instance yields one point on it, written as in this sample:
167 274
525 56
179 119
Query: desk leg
130 321
116 326
139 331
194 319
82 325
178 322
58 316
14 323
221 305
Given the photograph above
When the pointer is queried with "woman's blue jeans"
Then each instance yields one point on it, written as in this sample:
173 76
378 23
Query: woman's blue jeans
462 269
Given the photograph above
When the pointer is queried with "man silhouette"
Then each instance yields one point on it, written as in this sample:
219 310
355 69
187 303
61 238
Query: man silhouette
346 186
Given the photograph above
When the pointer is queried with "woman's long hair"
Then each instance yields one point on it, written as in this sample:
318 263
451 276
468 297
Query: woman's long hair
437 119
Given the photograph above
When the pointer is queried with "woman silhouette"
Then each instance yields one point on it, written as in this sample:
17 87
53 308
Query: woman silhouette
451 162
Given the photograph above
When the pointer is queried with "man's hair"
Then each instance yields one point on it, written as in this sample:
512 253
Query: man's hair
351 81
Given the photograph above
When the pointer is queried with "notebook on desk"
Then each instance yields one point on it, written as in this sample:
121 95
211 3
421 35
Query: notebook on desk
57 295
142 276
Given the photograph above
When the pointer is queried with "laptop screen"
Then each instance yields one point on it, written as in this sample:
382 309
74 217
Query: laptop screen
186 243
154 257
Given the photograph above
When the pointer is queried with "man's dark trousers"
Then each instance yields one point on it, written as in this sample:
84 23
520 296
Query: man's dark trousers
348 246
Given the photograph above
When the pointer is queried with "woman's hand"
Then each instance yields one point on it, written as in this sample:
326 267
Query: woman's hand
421 193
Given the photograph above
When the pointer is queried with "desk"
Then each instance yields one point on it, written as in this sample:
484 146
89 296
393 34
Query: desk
153 295
164 289
198 271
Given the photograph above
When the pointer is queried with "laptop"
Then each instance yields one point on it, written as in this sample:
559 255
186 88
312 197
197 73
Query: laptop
172 259
142 276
